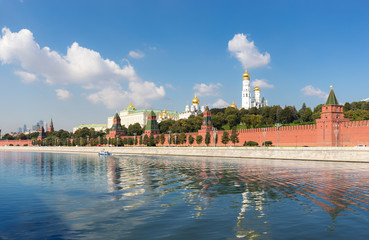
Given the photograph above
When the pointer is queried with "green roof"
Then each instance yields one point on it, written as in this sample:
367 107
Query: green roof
332 100
91 125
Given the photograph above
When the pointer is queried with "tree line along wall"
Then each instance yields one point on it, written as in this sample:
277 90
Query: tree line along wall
304 135
349 134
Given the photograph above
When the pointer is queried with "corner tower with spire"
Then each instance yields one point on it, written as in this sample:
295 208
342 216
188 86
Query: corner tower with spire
331 121
116 130
152 127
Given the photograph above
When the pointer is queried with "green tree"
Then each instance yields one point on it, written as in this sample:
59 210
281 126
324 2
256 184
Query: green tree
252 144
225 138
218 120
234 136
21 136
162 138
198 139
232 120
307 116
145 139
182 138
134 128
191 139
207 138
151 141
288 114
165 126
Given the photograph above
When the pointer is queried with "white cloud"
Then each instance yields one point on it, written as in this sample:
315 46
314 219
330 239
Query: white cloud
26 77
80 66
261 83
246 52
314 92
136 54
168 85
63 94
220 103
203 90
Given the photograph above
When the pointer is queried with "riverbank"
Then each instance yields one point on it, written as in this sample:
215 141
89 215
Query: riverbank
339 154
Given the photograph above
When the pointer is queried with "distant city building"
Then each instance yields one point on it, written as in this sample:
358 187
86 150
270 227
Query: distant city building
247 100
25 128
193 110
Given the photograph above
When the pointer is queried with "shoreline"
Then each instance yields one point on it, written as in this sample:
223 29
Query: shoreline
330 154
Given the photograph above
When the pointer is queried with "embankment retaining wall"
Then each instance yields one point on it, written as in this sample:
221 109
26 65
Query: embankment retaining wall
289 153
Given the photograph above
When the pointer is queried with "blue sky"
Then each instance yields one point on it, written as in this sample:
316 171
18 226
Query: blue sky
80 61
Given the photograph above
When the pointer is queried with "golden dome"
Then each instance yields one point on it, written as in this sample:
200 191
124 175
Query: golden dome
164 111
195 100
130 105
233 105
246 74
256 88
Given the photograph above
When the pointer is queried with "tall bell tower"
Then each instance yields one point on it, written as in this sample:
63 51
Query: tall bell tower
246 93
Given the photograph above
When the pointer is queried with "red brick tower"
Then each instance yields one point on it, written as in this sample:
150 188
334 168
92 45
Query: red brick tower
41 134
116 130
51 127
329 125
152 124
207 125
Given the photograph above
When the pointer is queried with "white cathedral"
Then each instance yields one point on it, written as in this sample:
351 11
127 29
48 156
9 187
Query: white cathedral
247 101
193 110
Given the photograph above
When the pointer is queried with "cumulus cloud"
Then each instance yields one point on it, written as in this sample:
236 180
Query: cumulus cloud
261 83
314 92
246 52
220 103
26 77
63 94
203 90
80 66
136 54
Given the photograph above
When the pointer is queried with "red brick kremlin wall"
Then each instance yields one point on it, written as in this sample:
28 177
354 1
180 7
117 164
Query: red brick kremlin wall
288 136
15 142
349 134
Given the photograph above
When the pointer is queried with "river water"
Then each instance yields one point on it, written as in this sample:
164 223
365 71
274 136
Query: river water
83 196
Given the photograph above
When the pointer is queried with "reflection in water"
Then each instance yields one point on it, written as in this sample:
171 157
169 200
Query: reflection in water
176 197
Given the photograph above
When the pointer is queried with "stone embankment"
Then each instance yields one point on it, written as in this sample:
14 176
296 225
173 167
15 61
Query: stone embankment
346 154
